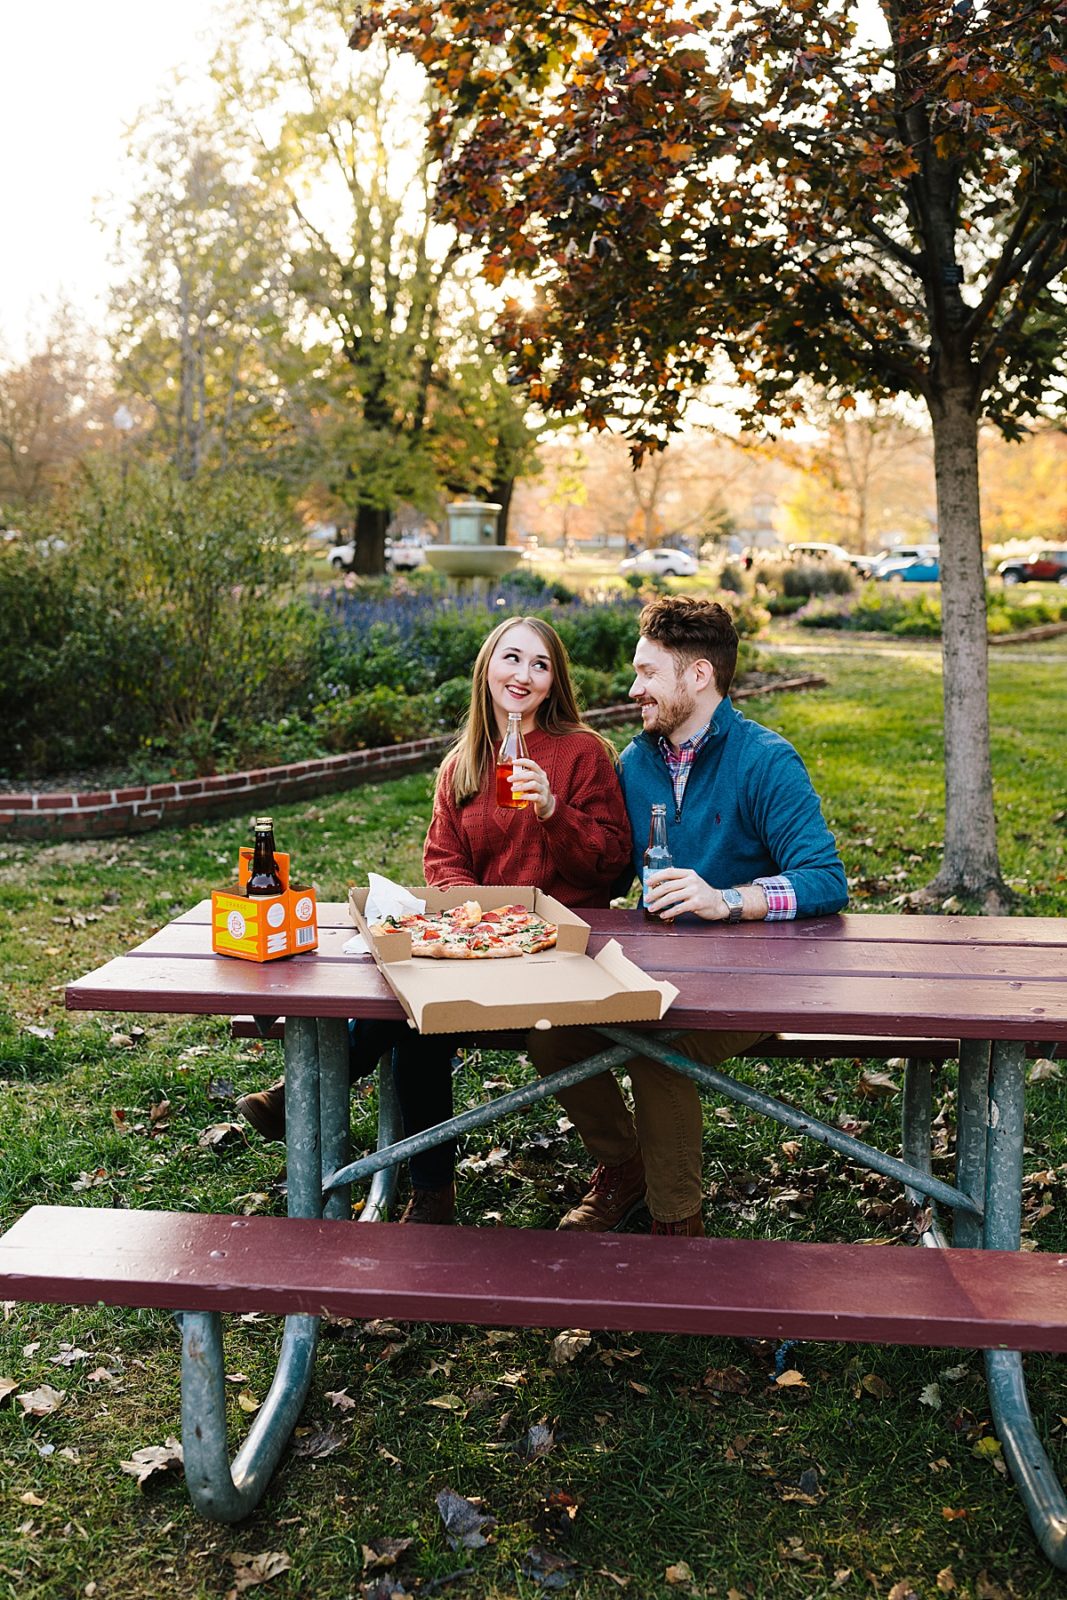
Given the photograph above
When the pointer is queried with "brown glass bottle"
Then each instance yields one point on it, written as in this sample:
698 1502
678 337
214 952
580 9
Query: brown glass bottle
263 876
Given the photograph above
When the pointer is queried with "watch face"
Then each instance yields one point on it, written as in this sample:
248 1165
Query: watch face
735 901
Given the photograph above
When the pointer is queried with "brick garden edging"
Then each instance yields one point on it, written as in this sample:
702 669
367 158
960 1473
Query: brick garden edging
103 812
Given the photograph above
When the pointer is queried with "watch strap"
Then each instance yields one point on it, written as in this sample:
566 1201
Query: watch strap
735 902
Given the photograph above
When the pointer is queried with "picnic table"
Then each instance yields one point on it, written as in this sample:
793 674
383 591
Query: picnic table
925 987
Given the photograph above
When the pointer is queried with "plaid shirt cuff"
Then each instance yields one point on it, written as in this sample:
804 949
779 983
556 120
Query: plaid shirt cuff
781 898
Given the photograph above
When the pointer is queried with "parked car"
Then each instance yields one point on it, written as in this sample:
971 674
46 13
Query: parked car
1048 566
661 563
819 552
913 569
903 552
399 556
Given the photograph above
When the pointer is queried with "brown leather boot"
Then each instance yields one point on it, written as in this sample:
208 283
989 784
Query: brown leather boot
437 1206
614 1194
265 1110
691 1227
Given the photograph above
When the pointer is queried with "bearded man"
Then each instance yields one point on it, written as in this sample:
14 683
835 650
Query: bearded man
749 843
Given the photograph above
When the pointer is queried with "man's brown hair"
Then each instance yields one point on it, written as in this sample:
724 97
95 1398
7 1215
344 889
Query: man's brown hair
695 630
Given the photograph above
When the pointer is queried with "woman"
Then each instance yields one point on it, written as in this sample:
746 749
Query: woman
572 841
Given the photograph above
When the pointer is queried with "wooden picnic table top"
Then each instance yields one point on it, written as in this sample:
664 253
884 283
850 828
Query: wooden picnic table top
869 973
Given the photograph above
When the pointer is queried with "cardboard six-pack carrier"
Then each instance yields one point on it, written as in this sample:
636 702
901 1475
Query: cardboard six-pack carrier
559 987
262 928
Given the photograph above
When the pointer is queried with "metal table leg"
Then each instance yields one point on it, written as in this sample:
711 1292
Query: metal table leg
218 1490
916 1127
1034 1474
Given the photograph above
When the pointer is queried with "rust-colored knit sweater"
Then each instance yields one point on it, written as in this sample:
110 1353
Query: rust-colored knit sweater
576 855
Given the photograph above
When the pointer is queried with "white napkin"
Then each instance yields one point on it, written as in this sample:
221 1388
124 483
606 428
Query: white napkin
384 899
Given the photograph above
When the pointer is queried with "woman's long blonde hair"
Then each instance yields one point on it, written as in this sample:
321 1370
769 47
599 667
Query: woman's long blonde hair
474 753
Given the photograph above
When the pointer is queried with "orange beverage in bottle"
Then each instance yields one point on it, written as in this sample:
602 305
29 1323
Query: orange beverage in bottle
512 749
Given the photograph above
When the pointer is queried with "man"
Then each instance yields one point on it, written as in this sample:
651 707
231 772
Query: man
749 842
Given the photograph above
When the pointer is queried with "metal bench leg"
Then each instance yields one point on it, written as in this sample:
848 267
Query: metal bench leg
972 1117
382 1191
917 1115
219 1491
1033 1472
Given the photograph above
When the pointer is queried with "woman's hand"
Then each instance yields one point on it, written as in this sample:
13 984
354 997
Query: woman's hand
530 782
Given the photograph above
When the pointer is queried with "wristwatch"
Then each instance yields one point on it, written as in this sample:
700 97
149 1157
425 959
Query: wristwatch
736 903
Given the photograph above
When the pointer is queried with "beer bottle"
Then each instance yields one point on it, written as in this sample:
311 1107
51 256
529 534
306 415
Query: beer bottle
512 749
658 854
263 875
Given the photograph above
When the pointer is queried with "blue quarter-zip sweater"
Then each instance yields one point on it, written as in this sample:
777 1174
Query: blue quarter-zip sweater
749 811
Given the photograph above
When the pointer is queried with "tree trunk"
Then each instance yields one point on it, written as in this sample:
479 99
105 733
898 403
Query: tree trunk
970 865
371 523
500 493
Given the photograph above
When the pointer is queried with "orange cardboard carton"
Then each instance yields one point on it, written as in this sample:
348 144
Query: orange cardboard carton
555 988
263 928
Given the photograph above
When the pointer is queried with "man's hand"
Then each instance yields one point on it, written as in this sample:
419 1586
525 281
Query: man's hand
678 890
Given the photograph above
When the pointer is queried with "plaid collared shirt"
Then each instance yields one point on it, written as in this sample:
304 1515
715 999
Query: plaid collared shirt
781 896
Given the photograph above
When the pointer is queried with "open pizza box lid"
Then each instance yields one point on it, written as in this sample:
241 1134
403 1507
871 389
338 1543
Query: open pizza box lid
560 987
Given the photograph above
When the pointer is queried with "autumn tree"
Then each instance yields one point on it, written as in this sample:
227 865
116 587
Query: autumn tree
866 474
383 312
199 314
871 199
53 407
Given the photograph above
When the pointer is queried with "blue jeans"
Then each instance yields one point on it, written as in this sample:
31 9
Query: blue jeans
422 1073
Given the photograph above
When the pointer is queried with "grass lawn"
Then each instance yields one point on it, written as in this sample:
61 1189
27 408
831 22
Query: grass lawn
877 1471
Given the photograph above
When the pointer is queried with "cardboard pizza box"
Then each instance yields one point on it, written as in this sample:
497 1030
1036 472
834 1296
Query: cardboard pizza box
560 987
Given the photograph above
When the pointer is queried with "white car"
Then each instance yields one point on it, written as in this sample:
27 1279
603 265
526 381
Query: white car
399 557
661 563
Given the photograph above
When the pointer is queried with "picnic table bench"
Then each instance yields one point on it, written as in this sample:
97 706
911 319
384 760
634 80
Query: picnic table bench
982 988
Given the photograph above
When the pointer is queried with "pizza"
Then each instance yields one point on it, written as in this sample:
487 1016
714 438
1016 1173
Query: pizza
467 933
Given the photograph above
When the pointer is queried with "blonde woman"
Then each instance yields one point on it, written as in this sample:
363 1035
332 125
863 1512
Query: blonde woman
572 840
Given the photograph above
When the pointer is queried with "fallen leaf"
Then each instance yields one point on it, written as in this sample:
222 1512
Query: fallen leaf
446 1402
1044 1069
381 1554
987 1446
41 1402
873 1384
569 1344
317 1443
726 1380
557 1513
383 1589
37 1032
841 1577
946 1580
640 1388
67 1356
538 1442
805 1492
953 1513
215 1138
680 1572
986 1589
791 1148
791 1379
154 1460
30 1499
463 1521
876 1085
930 1396
90 1180
623 1583
7 1386
902 1591
158 1110
250 1570
247 1401
546 1567
341 1399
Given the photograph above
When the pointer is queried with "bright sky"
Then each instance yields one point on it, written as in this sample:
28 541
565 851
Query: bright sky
71 76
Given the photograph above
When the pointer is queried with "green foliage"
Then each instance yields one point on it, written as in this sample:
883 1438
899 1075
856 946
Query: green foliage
374 717
807 578
594 687
167 616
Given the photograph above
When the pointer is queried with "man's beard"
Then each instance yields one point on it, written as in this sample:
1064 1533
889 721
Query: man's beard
671 714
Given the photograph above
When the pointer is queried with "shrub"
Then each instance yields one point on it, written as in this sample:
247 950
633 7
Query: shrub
378 716
808 578
594 688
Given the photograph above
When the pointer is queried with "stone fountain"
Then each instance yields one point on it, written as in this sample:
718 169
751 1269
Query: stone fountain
472 558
